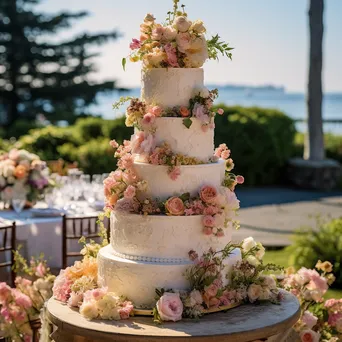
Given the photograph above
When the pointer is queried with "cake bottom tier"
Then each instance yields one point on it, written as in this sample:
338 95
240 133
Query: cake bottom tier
137 280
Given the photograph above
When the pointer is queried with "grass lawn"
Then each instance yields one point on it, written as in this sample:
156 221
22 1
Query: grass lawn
281 257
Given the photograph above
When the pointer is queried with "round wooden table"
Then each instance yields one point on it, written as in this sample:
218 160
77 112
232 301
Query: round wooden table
244 323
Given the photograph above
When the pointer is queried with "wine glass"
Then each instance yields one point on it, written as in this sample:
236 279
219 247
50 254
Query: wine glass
18 203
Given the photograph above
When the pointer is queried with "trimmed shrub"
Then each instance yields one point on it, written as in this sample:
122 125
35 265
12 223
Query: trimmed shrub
261 141
323 243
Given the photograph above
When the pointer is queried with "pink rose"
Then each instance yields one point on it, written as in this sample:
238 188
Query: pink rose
175 206
309 319
170 307
334 318
75 299
208 194
309 336
113 143
225 154
5 314
211 210
220 111
208 221
40 270
211 290
5 293
126 310
130 192
117 175
62 287
135 44
207 230
240 179
171 53
22 299
126 161
183 41
156 110
175 172
148 119
157 32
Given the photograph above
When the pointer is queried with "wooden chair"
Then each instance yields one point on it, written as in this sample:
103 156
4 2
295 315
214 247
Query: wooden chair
74 227
7 244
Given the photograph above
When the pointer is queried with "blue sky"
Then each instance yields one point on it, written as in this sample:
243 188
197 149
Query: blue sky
270 38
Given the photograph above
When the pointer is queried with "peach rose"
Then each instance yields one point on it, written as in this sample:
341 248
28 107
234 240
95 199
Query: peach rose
156 110
184 111
175 206
208 194
170 307
183 41
254 292
309 336
20 172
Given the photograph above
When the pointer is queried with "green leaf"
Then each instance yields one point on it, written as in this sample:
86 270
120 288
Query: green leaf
123 62
184 197
187 122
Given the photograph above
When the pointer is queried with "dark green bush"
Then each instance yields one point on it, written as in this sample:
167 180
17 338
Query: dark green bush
333 146
322 243
45 141
20 127
89 128
95 156
261 141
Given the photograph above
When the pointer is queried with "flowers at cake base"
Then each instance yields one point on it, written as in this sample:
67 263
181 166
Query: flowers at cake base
212 286
22 304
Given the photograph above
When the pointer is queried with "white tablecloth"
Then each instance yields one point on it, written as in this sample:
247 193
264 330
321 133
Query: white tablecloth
40 234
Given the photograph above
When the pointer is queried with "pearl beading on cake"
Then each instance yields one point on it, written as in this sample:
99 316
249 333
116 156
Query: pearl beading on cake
151 259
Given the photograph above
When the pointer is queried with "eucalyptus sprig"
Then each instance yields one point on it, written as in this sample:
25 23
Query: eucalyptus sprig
121 101
216 46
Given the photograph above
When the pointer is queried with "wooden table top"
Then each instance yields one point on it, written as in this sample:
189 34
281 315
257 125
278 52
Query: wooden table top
244 323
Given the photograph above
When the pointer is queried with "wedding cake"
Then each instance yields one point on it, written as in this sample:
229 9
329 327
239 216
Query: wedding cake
172 195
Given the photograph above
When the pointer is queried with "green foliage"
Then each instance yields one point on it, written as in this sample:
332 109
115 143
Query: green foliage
215 46
89 128
261 141
324 243
20 127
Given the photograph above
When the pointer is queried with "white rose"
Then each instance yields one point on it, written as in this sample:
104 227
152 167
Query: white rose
261 252
195 298
198 26
265 294
214 230
149 17
204 92
41 284
10 180
253 261
2 181
253 292
8 171
169 33
182 24
248 244
198 44
269 282
89 310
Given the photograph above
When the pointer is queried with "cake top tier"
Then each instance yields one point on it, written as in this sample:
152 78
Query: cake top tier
177 43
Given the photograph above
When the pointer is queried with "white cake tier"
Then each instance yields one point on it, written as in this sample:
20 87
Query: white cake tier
192 142
161 238
137 280
191 178
170 87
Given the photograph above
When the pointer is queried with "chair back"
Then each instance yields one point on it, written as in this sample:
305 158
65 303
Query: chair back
7 245
75 227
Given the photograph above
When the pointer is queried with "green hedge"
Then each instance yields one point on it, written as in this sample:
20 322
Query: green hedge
261 141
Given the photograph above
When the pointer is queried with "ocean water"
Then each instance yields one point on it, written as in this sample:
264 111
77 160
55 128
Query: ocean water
293 104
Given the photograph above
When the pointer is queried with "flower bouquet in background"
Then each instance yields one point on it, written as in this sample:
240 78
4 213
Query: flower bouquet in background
20 306
321 320
22 175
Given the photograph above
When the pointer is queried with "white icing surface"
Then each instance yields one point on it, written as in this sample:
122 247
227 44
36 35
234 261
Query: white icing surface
161 236
170 87
191 178
137 280
192 142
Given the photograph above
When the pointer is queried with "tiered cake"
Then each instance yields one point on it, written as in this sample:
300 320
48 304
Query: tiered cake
151 251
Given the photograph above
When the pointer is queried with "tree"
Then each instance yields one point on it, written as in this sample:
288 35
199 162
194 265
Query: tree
314 146
40 76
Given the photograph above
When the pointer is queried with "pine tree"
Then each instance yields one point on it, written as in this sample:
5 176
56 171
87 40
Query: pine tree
38 76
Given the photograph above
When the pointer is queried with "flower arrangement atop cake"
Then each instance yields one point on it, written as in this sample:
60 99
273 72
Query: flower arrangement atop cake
179 43
23 172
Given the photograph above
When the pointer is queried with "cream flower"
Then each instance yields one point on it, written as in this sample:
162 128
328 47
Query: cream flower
169 33
198 26
89 310
254 292
149 18
183 41
182 24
